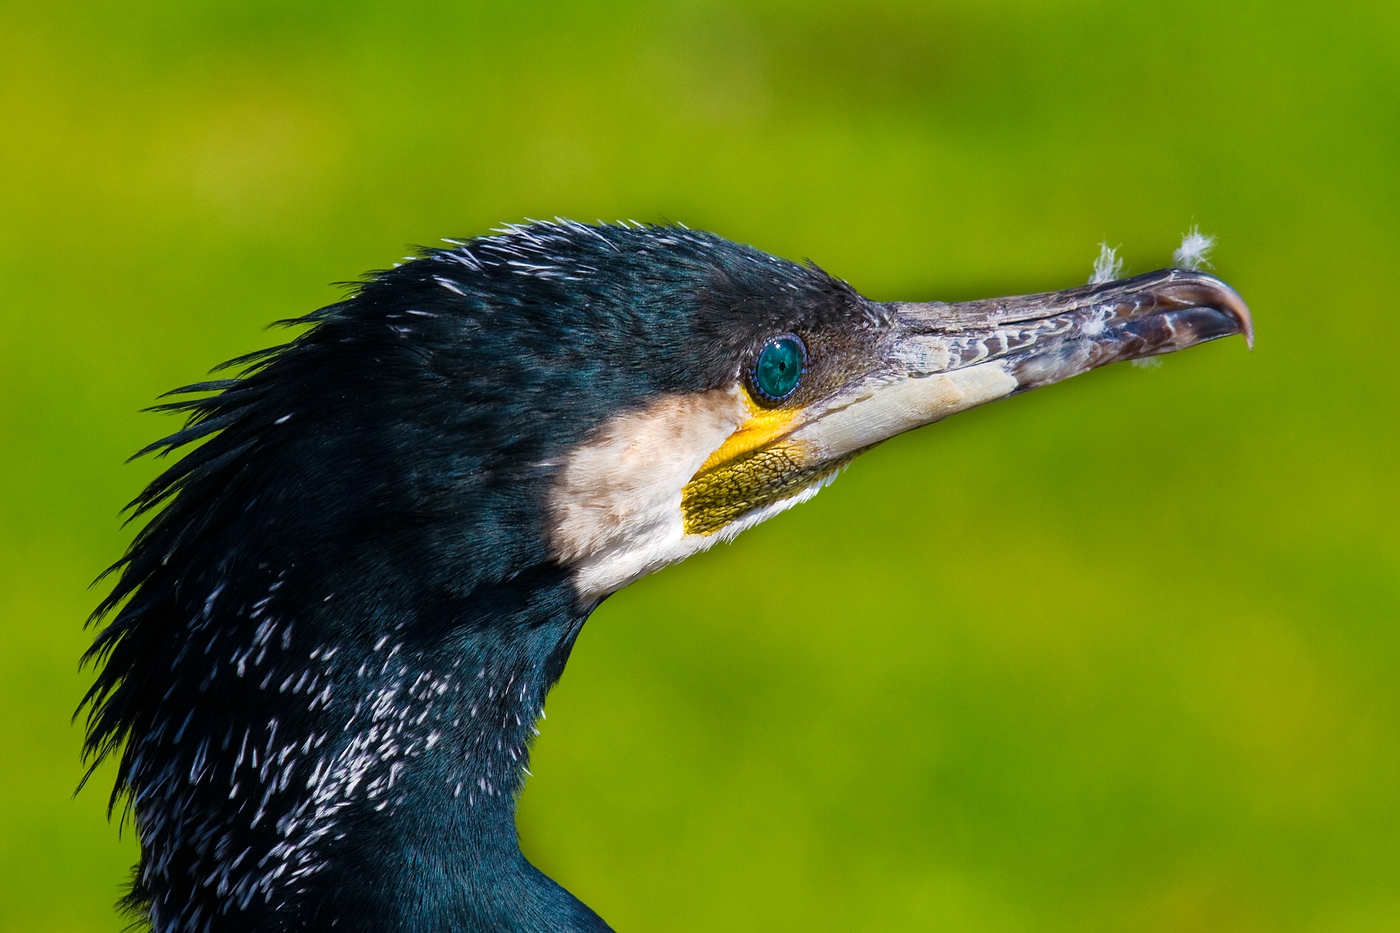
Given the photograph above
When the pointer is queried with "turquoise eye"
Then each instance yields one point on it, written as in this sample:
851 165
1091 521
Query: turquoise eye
777 370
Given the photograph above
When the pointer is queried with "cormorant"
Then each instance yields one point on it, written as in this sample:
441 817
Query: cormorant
328 648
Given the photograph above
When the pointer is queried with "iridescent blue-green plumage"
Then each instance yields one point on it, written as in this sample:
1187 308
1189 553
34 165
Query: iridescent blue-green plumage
328 648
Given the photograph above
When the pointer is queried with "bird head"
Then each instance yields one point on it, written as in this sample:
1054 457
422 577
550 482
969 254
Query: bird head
633 395
602 399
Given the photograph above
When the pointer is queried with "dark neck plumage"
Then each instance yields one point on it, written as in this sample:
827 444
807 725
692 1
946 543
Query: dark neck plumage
326 650
350 759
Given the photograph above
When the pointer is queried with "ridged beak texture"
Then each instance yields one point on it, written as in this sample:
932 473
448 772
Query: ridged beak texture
942 358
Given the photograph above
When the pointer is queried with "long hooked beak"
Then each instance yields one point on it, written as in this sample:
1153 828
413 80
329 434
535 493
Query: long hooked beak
941 359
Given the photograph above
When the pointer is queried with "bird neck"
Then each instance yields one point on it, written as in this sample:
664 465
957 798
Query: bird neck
443 735
368 781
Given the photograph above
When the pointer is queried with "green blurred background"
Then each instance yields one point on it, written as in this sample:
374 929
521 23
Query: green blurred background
1119 655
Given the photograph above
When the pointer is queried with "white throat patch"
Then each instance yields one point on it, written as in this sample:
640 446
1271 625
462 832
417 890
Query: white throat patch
615 509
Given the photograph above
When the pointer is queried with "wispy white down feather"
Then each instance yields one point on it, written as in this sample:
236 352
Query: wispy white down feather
1194 251
1107 267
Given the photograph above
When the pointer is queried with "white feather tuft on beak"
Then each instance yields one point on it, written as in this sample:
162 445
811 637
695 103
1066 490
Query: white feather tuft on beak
1194 251
1108 267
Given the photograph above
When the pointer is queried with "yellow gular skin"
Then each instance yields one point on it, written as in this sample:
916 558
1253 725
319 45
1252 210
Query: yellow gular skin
764 426
751 469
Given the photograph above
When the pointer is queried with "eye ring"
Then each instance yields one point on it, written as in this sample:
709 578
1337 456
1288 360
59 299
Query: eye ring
777 369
